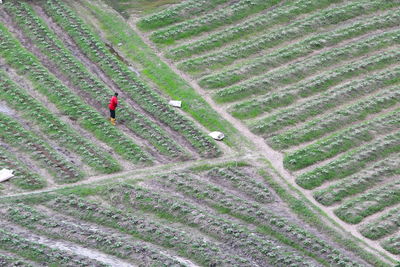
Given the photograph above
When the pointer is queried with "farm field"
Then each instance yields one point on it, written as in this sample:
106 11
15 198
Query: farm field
306 92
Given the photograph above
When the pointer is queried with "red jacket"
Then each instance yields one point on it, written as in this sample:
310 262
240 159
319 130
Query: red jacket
113 103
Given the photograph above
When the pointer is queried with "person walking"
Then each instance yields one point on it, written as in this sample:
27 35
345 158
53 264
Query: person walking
112 106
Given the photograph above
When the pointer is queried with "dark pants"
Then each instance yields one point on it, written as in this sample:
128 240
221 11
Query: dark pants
112 114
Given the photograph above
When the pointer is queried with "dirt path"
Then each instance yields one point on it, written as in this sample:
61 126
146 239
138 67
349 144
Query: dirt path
262 149
135 174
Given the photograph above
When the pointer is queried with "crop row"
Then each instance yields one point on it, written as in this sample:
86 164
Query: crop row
392 244
302 48
351 162
343 141
210 21
199 249
360 181
325 101
319 83
49 45
318 127
23 176
110 242
41 254
386 224
228 202
243 182
280 14
356 209
15 134
8 261
262 250
54 128
299 70
299 28
144 96
44 82
178 13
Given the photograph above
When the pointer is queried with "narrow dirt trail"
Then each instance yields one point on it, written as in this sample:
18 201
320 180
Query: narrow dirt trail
262 149
134 174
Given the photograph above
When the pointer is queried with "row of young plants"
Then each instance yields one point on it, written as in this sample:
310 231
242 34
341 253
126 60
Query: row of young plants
342 141
23 177
54 128
225 15
229 202
359 182
68 103
241 181
299 70
316 128
299 49
127 80
299 28
49 45
199 249
384 225
319 83
280 14
12 261
134 49
41 254
14 134
178 13
110 242
351 162
373 201
247 243
323 102
392 244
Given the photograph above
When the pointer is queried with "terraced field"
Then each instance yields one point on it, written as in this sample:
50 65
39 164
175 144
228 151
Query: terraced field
306 92
221 215
317 80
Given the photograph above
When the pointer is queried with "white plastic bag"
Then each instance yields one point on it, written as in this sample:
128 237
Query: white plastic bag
5 174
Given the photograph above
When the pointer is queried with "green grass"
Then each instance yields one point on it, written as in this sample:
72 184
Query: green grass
206 167
135 50
127 7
